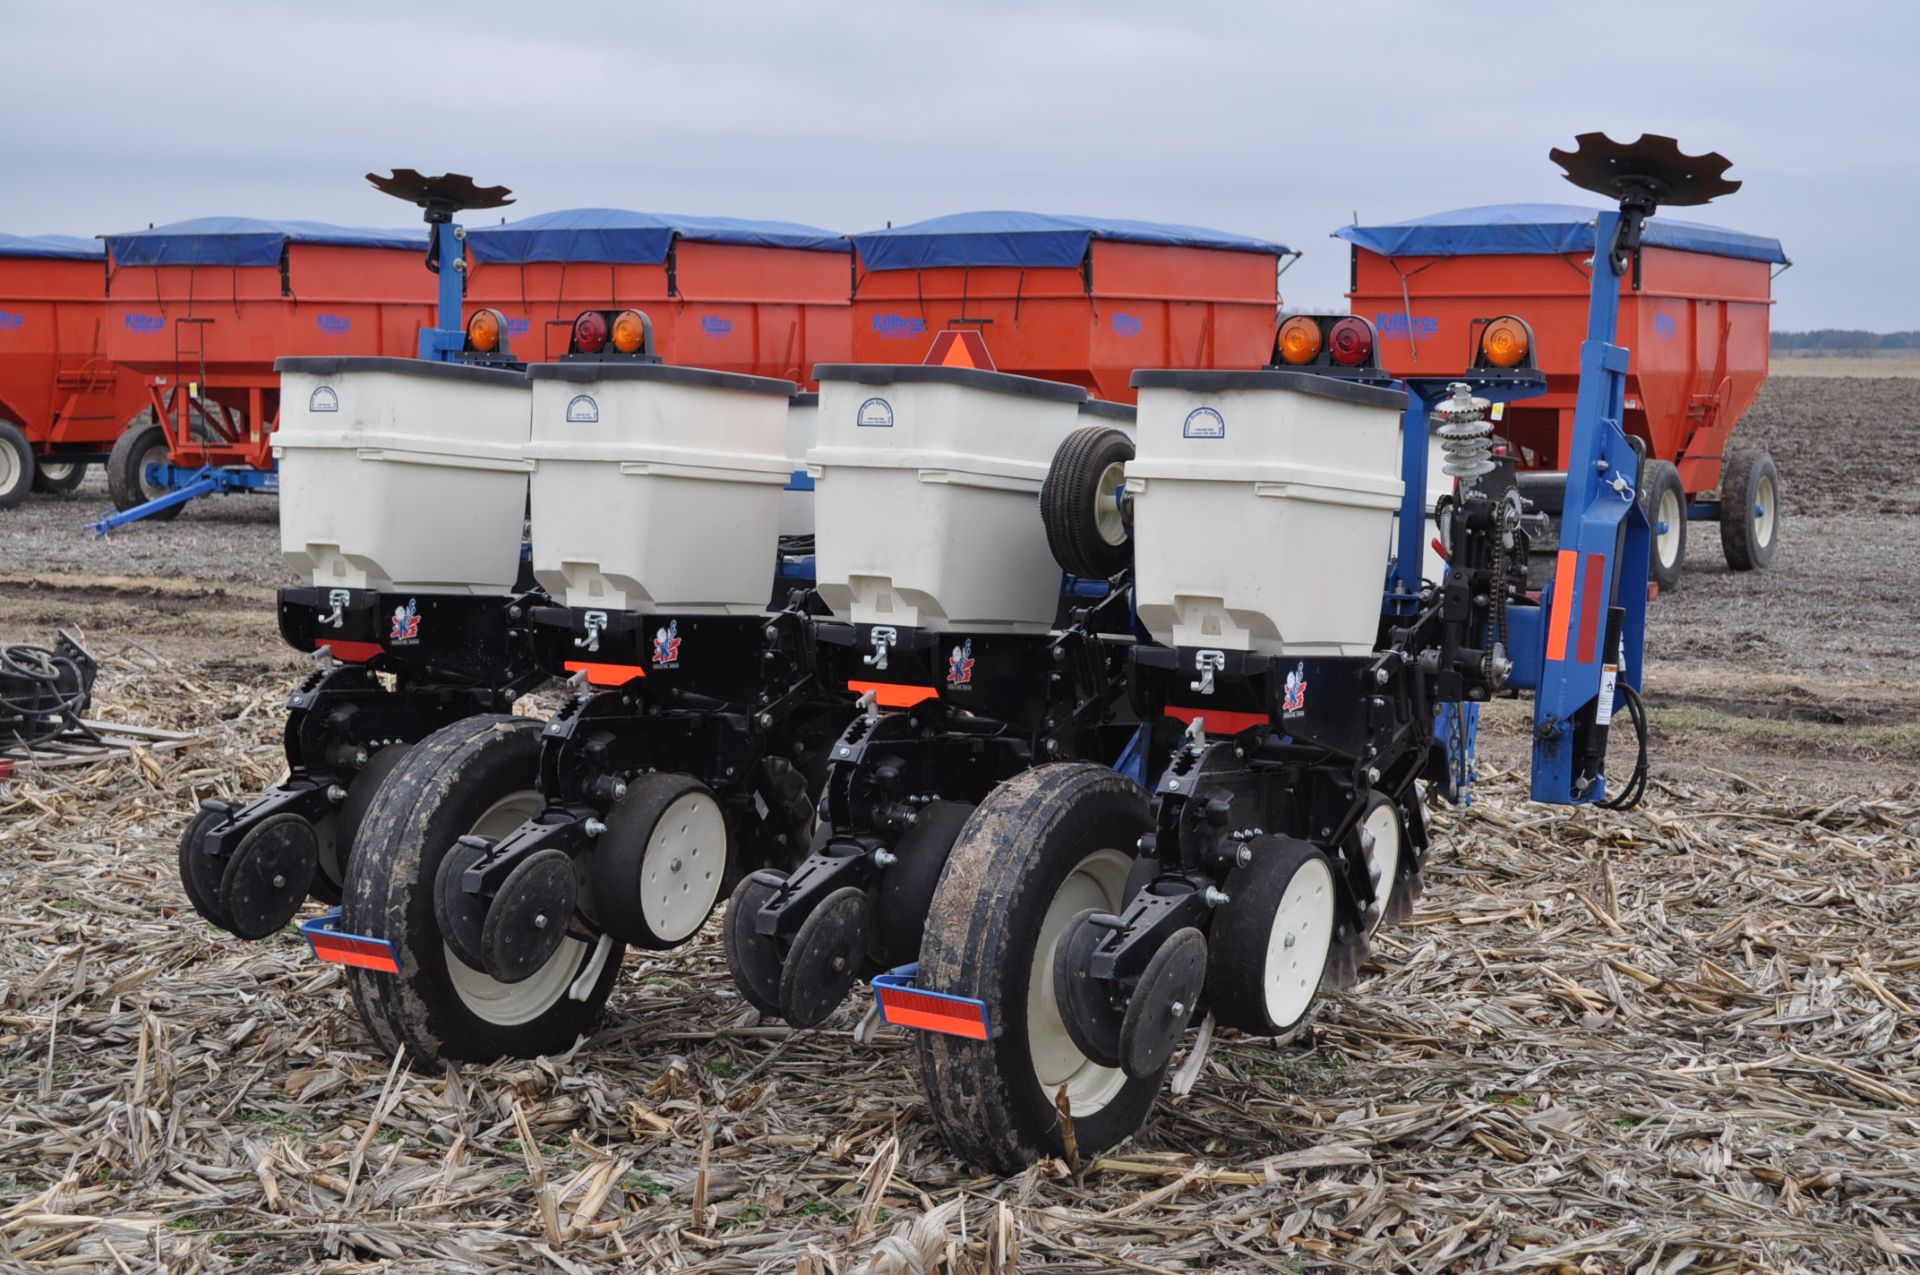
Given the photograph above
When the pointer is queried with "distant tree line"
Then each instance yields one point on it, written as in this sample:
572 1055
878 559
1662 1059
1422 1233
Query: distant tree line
1843 341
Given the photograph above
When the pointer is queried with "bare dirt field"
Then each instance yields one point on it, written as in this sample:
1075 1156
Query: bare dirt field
1686 1038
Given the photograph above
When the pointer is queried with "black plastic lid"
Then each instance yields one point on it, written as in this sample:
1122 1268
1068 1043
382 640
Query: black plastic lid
331 365
1111 411
924 374
805 398
1205 381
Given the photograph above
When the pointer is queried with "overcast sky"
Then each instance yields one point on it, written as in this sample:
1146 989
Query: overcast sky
1274 119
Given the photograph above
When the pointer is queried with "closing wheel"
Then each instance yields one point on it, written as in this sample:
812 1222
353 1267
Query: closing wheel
1380 841
906 887
200 872
16 465
1270 941
753 959
1665 502
58 477
1086 1011
1749 509
827 955
1163 1004
1044 847
266 876
1080 502
659 868
527 920
474 777
135 449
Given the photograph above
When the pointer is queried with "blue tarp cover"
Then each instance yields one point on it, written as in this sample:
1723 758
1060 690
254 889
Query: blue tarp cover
1541 229
66 247
1028 239
244 241
633 238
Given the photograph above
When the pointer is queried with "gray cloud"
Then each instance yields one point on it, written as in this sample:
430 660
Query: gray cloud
1279 120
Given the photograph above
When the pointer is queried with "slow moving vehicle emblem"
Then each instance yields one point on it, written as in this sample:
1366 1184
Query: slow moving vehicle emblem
666 646
406 625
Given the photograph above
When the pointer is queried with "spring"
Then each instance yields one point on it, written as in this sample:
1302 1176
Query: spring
1466 438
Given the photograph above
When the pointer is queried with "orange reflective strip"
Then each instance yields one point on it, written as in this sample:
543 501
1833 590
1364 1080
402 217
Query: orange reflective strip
1593 605
1219 721
930 1013
607 674
893 695
1562 605
354 652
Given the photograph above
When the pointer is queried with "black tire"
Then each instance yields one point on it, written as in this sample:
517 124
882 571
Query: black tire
474 776
906 888
1240 955
1750 512
1084 524
653 888
753 960
1664 501
1009 876
200 874
16 465
54 477
330 881
133 451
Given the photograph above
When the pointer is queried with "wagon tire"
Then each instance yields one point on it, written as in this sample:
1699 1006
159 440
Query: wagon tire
58 477
1040 849
1664 501
135 449
16 465
1079 505
1750 512
476 776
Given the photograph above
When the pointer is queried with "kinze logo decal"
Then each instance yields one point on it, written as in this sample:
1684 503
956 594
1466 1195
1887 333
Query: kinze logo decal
896 327
715 326
145 323
1394 327
11 322
1125 324
334 324
666 646
406 624
960 665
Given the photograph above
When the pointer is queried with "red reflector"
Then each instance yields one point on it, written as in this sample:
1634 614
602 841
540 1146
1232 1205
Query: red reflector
347 949
893 695
607 674
1220 721
590 333
354 652
947 1015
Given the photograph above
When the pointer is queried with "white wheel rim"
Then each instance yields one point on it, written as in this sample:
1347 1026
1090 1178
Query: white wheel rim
1298 944
1765 500
1383 824
683 866
57 472
11 470
1097 881
511 1004
1106 505
158 454
1667 530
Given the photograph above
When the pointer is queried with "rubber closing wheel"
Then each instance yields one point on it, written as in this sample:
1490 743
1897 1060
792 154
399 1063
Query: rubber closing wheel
462 917
1163 1004
752 958
658 869
266 877
1088 1013
826 957
1080 502
1270 941
200 871
527 920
